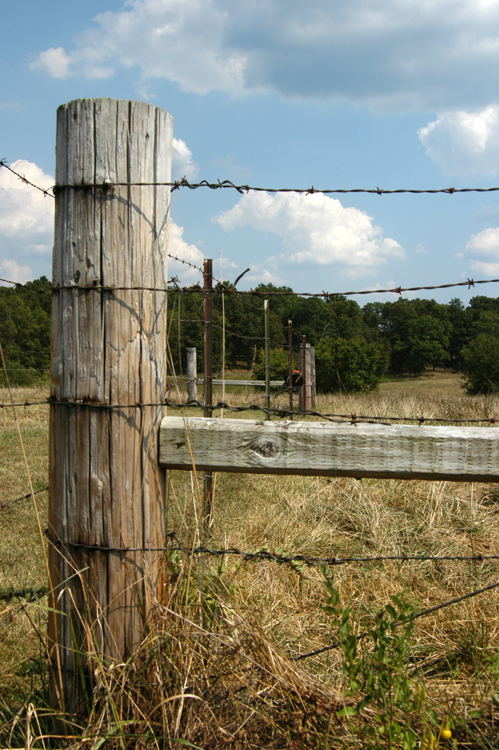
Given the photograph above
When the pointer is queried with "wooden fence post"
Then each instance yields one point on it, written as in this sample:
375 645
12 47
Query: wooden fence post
108 376
306 365
192 373
312 379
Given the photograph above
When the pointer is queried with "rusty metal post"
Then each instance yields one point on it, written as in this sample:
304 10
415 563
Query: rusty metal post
267 356
208 382
304 370
290 368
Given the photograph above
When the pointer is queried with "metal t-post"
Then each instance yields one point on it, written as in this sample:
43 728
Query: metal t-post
290 368
267 356
208 383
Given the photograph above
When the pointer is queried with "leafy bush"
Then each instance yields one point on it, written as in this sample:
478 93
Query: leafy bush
23 377
480 365
279 364
350 366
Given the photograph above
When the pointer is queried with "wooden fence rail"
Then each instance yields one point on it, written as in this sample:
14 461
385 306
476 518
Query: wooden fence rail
459 454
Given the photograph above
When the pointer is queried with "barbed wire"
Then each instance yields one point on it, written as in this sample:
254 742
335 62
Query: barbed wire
45 191
23 286
221 328
29 593
23 497
267 555
185 262
196 288
228 184
407 619
352 419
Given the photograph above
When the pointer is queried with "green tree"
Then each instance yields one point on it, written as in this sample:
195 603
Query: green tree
480 365
279 364
351 366
25 330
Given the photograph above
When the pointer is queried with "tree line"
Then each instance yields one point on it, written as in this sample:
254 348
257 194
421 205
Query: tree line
355 346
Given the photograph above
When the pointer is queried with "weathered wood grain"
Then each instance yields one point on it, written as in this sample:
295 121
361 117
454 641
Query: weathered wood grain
460 454
108 347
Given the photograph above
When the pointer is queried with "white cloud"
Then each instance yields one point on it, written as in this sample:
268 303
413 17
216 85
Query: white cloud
464 143
15 272
58 64
440 55
486 269
316 230
55 61
261 275
183 164
26 215
181 249
485 244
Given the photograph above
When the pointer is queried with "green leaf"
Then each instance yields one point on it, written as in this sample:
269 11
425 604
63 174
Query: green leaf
347 711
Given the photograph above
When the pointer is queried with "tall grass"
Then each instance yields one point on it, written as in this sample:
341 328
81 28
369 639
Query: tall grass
218 663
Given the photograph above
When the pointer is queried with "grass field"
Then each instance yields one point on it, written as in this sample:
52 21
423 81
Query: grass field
234 629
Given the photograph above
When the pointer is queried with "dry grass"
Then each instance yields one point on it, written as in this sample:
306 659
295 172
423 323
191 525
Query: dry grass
232 629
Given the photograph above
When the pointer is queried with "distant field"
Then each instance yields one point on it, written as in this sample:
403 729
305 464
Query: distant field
445 384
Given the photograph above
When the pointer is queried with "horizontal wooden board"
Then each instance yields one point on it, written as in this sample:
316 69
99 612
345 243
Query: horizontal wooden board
261 383
460 454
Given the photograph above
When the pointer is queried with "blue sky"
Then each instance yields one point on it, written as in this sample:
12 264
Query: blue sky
277 93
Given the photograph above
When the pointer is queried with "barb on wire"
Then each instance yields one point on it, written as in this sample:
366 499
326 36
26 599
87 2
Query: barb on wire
23 286
185 262
45 191
23 497
29 593
414 616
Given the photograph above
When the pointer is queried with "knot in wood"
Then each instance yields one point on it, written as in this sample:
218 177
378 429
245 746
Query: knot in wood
266 448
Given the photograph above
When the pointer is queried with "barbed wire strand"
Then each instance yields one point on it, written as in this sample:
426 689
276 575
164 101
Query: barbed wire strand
469 283
242 189
23 497
185 262
265 555
224 289
409 618
228 184
45 191
352 419
29 593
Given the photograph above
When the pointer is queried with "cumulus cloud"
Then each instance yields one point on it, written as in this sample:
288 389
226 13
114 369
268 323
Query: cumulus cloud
485 244
398 54
15 272
181 249
262 275
55 61
26 215
316 230
464 143
183 164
